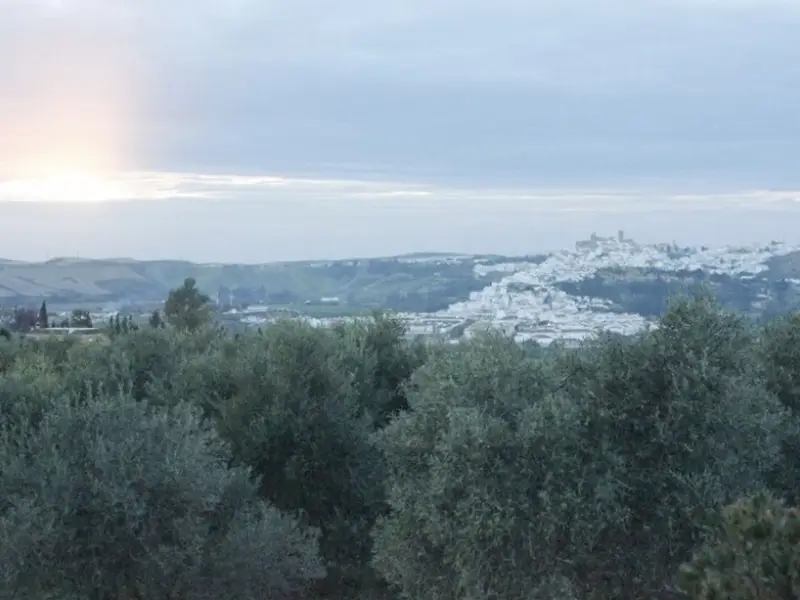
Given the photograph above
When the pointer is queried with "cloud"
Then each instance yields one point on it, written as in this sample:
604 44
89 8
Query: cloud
514 88
214 218
572 42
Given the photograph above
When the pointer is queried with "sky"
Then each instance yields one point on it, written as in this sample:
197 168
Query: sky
362 127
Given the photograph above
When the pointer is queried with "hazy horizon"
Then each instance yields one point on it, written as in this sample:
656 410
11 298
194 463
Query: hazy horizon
253 220
251 131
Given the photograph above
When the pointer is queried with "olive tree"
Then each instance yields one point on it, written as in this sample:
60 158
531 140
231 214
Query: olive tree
683 413
488 495
780 357
379 359
753 554
112 498
29 387
291 413
186 307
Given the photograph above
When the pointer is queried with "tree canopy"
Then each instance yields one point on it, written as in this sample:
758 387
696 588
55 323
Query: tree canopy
187 462
187 307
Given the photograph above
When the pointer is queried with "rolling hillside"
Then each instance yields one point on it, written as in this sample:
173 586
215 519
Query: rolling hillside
414 282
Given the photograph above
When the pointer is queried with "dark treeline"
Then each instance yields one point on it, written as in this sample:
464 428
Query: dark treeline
184 462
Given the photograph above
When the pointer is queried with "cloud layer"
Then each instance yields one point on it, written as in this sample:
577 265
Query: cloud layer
509 91
217 218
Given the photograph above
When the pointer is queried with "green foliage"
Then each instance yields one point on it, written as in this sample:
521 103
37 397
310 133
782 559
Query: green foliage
753 555
111 499
294 417
187 308
379 360
299 405
80 318
25 319
117 326
488 494
195 462
43 320
780 356
683 415
29 388
155 320
780 348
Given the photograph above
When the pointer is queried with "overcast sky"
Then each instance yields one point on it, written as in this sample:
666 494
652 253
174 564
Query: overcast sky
687 94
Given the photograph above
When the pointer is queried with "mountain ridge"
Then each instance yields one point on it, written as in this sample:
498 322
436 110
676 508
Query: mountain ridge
413 282
366 282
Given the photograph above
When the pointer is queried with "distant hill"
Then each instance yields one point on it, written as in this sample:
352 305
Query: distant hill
416 282
786 265
646 291
419 282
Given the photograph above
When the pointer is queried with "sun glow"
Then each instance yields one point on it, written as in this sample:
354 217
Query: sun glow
68 112
64 186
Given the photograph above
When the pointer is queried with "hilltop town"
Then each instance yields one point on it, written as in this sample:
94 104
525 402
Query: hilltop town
602 284
528 301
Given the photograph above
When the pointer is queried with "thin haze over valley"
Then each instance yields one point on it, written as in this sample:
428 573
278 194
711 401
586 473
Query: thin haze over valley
249 131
